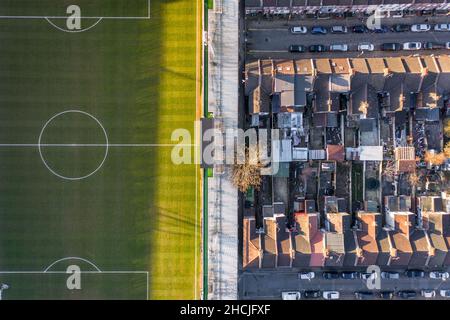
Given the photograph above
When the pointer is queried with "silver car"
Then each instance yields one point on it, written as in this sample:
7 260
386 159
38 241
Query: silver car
366 46
445 293
299 30
412 46
390 275
428 293
423 27
330 295
442 27
338 29
339 47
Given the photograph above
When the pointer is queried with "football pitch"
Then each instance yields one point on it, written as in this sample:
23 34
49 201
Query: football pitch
86 176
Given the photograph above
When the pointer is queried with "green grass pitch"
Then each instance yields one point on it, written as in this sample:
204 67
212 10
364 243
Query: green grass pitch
138 212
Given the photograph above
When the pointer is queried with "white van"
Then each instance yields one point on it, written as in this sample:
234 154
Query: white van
331 295
366 46
339 47
291 295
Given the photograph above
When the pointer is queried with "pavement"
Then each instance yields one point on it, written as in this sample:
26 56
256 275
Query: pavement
269 285
270 39
223 100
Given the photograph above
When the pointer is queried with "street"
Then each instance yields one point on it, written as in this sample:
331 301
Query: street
269 285
271 39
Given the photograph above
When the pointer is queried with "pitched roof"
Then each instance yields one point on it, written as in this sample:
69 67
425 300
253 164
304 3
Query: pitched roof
259 101
269 244
283 242
421 248
335 152
307 228
384 248
335 248
402 247
251 244
351 248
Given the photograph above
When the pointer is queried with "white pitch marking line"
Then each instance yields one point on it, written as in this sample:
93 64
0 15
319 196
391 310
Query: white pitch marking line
68 145
195 150
65 17
65 272
85 272
96 18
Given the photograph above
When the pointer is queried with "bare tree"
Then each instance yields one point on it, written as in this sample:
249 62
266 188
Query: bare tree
447 128
247 174
435 158
447 149
414 179
389 169
434 97
363 107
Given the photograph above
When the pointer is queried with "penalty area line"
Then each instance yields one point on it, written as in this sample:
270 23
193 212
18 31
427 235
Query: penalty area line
65 272
114 145
87 17
146 273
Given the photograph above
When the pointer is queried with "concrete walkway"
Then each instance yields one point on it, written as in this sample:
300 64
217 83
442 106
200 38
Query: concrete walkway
223 197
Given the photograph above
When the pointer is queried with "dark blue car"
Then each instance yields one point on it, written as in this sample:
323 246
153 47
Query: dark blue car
359 29
380 29
319 30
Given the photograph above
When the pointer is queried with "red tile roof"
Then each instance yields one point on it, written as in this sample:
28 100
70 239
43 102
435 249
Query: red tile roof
251 244
335 152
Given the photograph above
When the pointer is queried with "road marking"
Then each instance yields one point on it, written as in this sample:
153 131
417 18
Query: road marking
268 51
270 29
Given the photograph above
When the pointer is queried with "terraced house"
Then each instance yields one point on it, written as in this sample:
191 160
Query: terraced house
354 135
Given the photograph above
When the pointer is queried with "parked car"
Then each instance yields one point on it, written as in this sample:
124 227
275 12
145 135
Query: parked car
447 45
407 294
318 30
331 295
311 294
306 275
442 27
391 46
366 46
360 29
415 274
364 295
387 295
423 27
350 275
339 47
445 293
296 48
380 29
428 293
401 28
439 275
330 275
299 30
338 29
291 295
317 48
434 45
390 275
412 46
368 275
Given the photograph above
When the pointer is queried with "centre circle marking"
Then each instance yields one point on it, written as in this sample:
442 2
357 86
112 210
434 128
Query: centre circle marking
43 158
